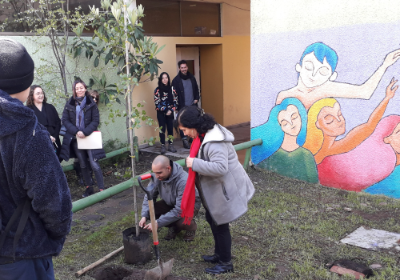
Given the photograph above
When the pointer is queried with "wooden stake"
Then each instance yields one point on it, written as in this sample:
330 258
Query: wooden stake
89 267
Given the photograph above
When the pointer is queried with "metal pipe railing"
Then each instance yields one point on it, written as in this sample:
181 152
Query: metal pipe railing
93 199
108 155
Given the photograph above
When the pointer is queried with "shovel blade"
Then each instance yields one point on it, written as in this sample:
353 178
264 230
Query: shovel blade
160 272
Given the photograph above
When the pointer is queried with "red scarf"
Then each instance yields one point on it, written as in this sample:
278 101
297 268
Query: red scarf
189 195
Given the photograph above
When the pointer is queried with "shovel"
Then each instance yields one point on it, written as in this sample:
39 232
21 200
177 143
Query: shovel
163 269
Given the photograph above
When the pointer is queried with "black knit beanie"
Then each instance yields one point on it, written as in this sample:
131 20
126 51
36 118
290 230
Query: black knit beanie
16 67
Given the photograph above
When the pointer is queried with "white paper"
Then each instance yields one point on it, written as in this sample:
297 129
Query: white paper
92 142
372 239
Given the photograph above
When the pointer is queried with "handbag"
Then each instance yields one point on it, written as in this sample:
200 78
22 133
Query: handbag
92 142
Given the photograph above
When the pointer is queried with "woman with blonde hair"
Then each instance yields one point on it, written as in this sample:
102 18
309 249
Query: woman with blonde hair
326 123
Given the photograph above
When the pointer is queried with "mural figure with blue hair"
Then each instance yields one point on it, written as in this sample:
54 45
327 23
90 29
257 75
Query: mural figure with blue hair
317 75
283 136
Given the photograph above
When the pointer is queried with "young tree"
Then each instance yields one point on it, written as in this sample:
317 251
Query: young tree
121 42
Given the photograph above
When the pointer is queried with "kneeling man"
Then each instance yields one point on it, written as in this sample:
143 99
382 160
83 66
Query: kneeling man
170 183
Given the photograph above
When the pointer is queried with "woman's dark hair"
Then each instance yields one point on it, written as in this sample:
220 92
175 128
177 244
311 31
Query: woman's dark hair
79 81
160 83
194 117
95 95
30 101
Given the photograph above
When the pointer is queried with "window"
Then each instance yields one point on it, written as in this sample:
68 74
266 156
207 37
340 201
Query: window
175 18
200 19
162 17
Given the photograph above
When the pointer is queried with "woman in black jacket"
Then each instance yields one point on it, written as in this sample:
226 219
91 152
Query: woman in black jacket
46 114
166 102
80 118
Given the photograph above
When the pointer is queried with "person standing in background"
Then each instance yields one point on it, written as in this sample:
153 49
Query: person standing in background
46 114
166 102
35 202
81 117
95 95
187 89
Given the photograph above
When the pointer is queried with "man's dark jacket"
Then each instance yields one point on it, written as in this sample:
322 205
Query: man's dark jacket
178 86
92 120
29 169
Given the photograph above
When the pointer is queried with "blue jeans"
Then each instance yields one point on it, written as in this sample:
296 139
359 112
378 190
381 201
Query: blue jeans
29 269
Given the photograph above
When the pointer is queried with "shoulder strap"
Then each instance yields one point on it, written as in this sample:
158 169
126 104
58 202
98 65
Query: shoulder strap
22 210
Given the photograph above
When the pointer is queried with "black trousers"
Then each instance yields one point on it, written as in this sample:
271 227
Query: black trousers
222 239
165 121
83 157
160 208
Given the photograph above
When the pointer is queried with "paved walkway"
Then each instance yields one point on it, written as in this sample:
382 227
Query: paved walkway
241 132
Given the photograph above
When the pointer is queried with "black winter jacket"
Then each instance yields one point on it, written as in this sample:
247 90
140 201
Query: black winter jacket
178 86
29 169
50 120
92 119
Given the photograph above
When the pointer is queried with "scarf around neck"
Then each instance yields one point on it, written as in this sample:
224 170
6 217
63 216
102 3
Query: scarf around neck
189 194
184 77
80 115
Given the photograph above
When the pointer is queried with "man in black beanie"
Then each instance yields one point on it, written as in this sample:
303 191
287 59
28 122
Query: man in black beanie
35 202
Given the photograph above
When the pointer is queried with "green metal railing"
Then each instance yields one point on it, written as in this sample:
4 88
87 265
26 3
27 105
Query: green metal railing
93 199
108 155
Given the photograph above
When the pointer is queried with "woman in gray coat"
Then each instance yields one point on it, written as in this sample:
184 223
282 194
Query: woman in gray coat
223 184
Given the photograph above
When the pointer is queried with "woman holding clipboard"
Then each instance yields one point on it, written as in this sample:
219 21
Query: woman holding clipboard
81 118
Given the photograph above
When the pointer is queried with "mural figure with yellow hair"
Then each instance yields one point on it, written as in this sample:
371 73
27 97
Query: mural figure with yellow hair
326 123
316 77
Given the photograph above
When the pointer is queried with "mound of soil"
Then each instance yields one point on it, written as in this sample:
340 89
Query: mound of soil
112 273
121 273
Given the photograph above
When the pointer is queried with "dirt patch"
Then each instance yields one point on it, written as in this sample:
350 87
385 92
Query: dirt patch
112 273
378 216
121 273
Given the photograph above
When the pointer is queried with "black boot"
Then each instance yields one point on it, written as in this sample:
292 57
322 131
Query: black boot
88 191
171 148
185 143
78 172
163 150
211 258
221 267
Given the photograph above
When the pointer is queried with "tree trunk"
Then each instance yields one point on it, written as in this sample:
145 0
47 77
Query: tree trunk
129 120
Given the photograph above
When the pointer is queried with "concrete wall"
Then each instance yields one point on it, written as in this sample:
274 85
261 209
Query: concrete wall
346 142
211 74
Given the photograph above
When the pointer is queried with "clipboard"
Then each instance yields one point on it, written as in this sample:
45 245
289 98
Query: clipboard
92 142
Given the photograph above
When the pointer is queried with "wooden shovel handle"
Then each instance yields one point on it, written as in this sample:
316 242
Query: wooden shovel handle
153 222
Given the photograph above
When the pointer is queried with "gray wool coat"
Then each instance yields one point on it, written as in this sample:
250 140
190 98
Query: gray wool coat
223 184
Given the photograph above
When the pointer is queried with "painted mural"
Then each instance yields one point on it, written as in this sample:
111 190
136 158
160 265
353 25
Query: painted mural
338 132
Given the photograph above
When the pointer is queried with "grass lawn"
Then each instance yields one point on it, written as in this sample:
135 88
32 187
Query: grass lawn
291 231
